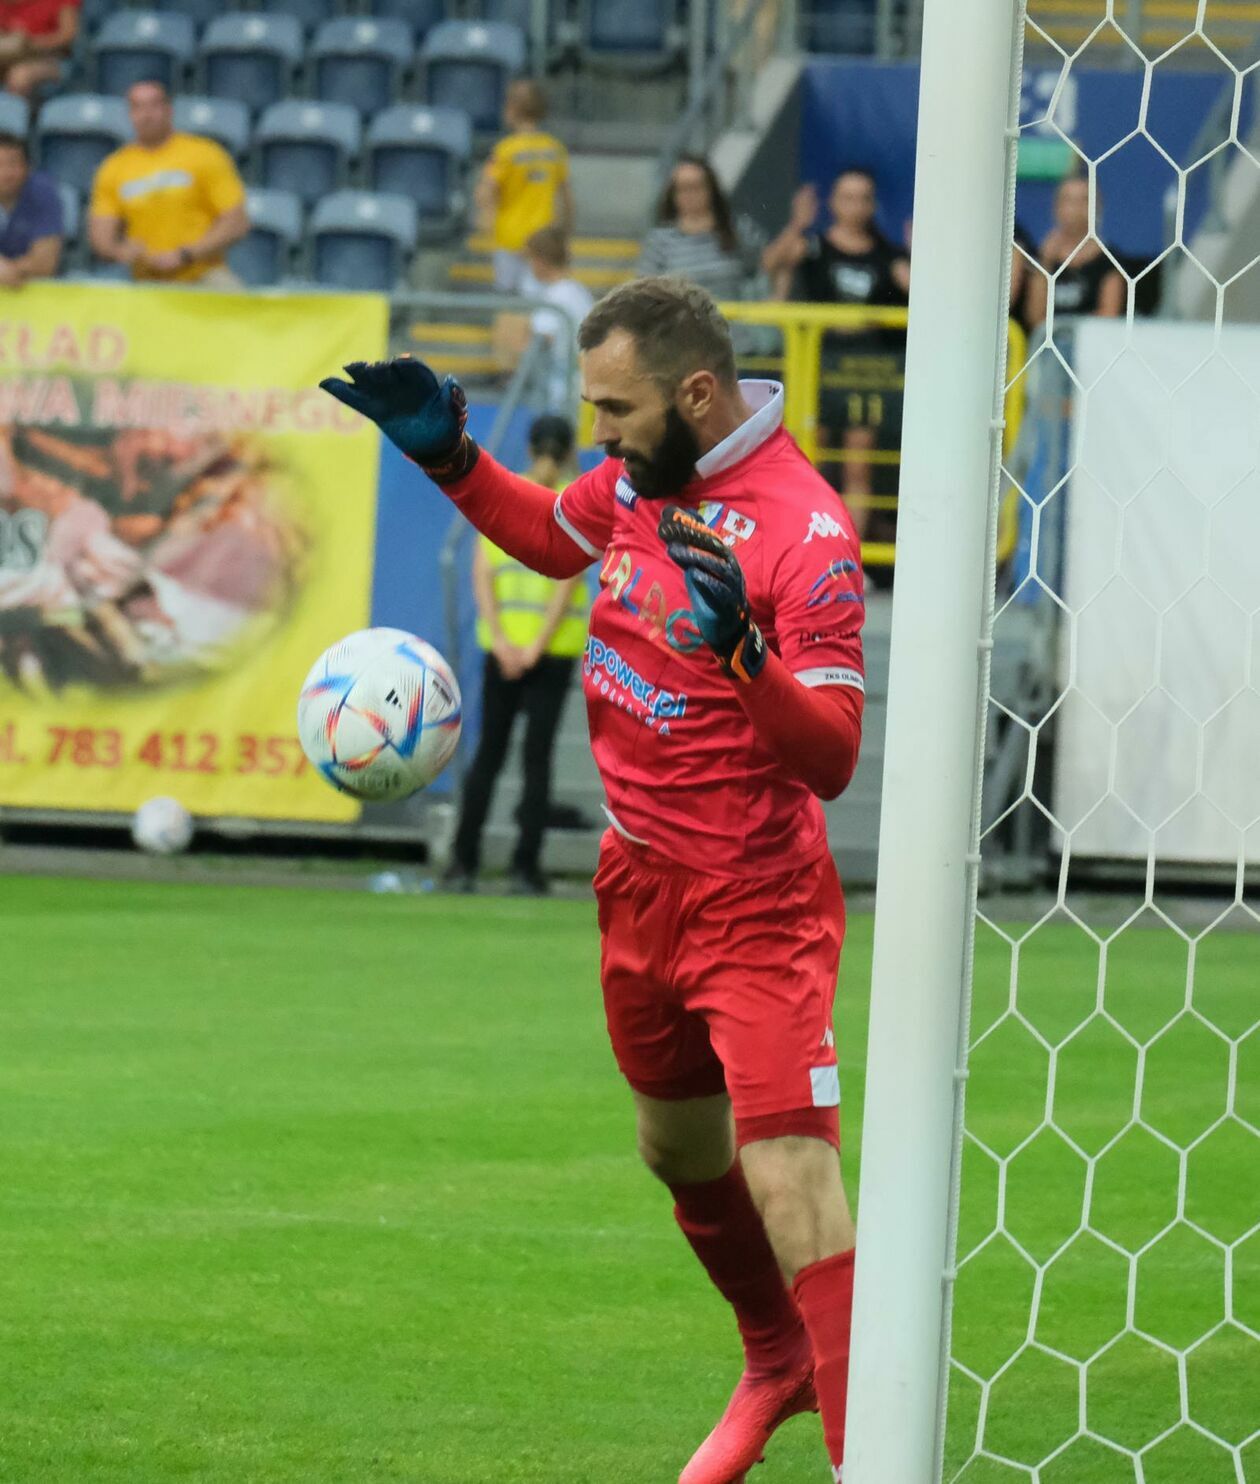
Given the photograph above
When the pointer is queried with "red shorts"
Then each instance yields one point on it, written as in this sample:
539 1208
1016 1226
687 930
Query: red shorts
716 984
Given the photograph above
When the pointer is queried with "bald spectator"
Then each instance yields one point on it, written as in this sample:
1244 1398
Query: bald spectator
31 218
170 205
36 37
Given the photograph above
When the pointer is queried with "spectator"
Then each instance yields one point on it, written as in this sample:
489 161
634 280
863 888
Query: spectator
524 185
31 218
696 236
532 630
851 262
547 261
170 205
36 37
1088 281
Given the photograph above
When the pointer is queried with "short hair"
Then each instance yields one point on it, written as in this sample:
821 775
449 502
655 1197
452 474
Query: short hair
14 141
150 82
676 327
867 175
528 99
551 435
551 245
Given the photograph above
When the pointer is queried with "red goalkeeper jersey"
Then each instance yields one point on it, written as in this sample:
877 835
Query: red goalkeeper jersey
681 766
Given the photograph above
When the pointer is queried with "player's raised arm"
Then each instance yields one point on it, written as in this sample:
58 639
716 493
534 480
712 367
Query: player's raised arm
814 730
425 419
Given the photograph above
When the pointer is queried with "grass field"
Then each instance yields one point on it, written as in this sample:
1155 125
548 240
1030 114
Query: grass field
330 1187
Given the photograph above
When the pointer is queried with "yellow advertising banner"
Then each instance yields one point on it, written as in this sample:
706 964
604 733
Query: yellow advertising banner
186 522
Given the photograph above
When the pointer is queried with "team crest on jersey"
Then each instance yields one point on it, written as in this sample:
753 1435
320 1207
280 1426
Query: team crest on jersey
626 493
733 527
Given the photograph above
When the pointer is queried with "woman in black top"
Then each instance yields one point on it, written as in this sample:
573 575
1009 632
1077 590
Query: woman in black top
1088 282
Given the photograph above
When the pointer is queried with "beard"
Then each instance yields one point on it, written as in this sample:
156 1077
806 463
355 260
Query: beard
671 465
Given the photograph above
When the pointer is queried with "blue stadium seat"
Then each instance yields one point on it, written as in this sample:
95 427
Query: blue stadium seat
92 13
251 57
311 13
420 15
468 64
264 256
142 46
306 147
71 211
75 133
362 240
15 115
644 30
359 60
421 153
222 119
199 12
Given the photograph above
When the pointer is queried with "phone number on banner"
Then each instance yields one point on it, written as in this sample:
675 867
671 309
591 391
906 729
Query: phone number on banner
170 752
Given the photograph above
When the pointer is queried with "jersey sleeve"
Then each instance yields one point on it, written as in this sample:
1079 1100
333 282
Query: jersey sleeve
584 509
815 594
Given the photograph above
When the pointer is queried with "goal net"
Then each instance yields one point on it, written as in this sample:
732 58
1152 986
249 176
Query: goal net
1106 1275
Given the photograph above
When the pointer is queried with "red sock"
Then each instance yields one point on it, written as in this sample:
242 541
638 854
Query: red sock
824 1292
720 1221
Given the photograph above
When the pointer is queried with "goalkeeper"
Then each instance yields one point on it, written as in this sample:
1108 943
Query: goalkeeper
723 679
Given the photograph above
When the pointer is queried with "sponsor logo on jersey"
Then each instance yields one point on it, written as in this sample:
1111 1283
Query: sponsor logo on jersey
616 679
734 527
822 524
627 586
830 585
625 492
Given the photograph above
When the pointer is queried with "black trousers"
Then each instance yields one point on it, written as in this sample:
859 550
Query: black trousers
540 693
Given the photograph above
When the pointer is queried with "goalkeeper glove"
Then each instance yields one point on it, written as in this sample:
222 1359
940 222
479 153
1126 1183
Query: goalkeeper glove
715 585
418 415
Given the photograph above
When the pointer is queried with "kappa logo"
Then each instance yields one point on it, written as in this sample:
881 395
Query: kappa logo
828 1037
822 524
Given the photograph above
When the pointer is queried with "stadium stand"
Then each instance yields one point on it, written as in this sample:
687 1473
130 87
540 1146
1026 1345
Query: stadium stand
141 46
466 64
253 58
307 147
421 15
359 60
311 13
222 119
422 153
15 115
646 33
268 254
199 12
76 132
362 239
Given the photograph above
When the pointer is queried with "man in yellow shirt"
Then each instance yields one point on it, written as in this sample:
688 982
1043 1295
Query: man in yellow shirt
170 205
524 185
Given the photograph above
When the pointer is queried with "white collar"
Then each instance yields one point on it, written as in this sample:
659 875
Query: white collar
766 400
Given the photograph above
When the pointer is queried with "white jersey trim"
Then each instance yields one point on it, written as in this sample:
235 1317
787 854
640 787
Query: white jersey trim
621 829
832 675
572 532
766 400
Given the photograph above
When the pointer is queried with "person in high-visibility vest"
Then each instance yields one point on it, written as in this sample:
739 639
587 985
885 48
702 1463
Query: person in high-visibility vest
532 631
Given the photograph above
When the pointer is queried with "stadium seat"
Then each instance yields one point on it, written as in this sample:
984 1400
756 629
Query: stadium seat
362 240
222 119
264 256
251 57
92 13
76 132
359 60
311 13
199 12
420 15
421 153
72 227
646 29
15 115
467 64
141 46
306 147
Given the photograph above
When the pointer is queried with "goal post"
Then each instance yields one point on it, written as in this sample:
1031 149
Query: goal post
929 825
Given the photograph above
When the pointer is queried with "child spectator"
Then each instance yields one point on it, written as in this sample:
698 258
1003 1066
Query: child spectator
170 205
696 236
36 37
548 277
524 185
31 219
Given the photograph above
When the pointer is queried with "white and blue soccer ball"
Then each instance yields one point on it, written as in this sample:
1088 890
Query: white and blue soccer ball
162 826
379 714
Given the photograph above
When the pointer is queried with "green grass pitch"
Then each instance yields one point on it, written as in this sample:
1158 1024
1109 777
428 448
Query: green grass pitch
329 1187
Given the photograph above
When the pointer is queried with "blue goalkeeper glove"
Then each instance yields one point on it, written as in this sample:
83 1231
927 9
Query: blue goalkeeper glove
419 415
715 585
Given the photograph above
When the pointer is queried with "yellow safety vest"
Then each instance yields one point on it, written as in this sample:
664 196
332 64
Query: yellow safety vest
522 598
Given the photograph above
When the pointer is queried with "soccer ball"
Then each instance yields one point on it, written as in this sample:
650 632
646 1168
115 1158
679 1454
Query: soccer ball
162 826
379 714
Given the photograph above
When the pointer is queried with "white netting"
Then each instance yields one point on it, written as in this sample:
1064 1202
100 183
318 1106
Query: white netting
1106 1320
